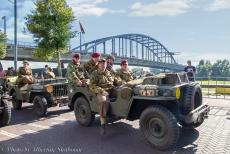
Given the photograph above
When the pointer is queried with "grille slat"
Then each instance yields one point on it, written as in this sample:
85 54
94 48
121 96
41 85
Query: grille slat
60 90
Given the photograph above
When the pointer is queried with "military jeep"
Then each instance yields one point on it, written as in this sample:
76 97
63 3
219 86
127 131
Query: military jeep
44 93
5 109
163 103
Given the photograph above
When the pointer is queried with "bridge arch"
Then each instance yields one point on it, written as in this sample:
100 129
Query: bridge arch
137 46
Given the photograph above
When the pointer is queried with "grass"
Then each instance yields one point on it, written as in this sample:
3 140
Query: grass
213 82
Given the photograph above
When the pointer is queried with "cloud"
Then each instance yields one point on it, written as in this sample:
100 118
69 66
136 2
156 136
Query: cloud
161 8
90 8
219 5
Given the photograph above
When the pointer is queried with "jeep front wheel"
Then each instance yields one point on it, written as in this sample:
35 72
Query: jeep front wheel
17 104
83 113
40 106
5 114
159 126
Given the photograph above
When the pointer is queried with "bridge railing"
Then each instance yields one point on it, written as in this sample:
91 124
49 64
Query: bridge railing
215 87
22 44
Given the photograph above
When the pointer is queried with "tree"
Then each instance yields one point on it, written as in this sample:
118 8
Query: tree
2 45
50 24
221 68
204 68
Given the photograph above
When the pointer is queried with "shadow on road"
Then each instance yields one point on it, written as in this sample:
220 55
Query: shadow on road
27 115
73 138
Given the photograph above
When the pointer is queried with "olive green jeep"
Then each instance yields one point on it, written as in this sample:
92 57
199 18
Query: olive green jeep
44 93
163 103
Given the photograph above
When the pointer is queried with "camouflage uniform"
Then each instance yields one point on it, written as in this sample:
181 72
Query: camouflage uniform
50 75
75 73
89 67
24 76
126 75
110 69
100 82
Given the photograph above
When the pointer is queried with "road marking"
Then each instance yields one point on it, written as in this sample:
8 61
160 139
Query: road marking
11 135
39 126
29 131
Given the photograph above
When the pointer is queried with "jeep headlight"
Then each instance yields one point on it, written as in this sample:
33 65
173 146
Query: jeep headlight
178 93
49 89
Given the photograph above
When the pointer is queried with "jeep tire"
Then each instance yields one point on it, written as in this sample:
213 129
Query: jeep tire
83 112
40 106
191 100
5 115
17 104
159 126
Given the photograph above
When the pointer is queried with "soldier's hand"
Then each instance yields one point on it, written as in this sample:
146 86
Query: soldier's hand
79 82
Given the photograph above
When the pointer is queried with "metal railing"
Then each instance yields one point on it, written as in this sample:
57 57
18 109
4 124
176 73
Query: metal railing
215 87
22 44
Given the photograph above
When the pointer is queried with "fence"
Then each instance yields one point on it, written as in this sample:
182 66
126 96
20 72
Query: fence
215 87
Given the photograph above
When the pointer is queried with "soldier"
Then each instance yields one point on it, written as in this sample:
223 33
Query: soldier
50 74
25 74
75 72
110 61
103 83
91 65
124 73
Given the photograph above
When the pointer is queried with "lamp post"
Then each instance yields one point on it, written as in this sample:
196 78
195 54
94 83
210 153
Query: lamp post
4 20
15 36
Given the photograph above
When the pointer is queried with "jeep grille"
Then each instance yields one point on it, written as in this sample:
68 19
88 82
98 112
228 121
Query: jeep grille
60 90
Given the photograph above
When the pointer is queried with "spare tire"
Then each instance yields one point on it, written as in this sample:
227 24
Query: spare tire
192 98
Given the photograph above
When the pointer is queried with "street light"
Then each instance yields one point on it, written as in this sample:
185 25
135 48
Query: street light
15 34
4 20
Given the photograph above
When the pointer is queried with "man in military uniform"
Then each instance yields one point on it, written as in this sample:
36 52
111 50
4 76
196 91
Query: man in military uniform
110 61
75 72
25 74
91 65
50 74
124 73
103 83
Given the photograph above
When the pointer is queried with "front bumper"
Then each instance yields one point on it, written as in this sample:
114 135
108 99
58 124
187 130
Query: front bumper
198 113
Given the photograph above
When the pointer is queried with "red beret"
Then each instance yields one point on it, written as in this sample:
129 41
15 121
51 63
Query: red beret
76 55
96 55
124 62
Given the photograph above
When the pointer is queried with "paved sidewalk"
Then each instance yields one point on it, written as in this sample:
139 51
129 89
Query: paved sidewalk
217 102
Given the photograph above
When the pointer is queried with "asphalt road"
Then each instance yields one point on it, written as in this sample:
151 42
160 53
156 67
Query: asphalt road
60 133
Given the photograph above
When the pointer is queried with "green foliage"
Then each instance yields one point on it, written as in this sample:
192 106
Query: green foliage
2 45
50 24
204 68
221 68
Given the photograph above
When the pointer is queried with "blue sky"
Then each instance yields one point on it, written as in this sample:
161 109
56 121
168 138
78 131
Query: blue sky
195 28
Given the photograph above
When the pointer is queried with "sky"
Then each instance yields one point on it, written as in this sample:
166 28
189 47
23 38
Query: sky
195 29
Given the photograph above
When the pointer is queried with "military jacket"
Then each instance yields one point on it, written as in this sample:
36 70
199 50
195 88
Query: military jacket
102 81
89 67
75 72
50 75
126 75
23 72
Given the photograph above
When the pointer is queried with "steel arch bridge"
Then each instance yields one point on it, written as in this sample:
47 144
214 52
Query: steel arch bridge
139 49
